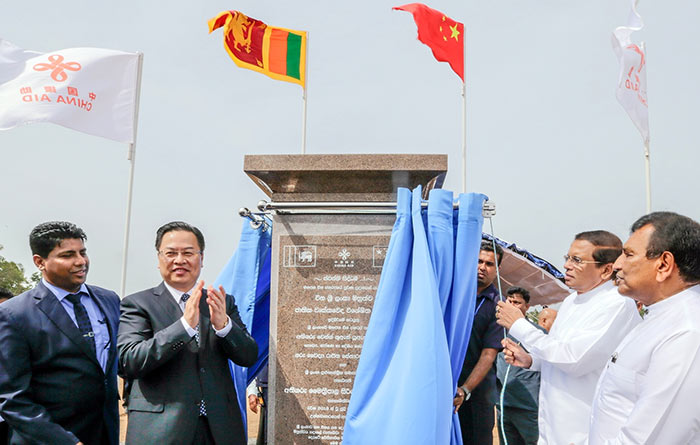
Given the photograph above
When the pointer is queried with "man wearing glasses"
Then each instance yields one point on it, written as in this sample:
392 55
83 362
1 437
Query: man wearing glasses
591 323
174 344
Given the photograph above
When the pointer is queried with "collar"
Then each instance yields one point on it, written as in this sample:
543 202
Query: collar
491 292
586 296
177 294
62 293
667 304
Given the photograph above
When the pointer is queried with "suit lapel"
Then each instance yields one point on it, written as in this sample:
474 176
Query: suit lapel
170 308
167 302
54 310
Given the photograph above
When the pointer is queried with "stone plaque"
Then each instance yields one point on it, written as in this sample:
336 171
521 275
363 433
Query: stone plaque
325 270
325 298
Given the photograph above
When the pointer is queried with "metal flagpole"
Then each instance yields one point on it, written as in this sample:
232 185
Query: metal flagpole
647 160
464 111
303 120
647 168
131 155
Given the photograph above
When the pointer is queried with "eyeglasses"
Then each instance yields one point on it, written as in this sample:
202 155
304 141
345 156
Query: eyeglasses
578 261
187 254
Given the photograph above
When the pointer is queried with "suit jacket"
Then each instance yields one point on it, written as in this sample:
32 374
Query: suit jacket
170 374
52 388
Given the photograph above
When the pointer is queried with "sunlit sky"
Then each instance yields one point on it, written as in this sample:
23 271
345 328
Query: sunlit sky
547 140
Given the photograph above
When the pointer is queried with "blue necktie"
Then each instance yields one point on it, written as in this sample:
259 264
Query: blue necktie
81 316
202 405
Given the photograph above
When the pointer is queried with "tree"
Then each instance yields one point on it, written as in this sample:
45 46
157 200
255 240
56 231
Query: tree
12 276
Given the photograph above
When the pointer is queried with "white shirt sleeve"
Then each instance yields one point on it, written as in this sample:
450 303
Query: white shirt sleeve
586 351
190 331
666 411
225 330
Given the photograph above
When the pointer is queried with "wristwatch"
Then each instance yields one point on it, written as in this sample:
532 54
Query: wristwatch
467 393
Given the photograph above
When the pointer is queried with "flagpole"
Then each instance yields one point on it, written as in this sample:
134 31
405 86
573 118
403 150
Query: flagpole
647 159
464 112
647 171
303 119
131 157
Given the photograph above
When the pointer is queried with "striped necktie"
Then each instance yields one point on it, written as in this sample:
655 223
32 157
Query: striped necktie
84 325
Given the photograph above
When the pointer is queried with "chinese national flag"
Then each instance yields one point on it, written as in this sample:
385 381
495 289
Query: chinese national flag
442 34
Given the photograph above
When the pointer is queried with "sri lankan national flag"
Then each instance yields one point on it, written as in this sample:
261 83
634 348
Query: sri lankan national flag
277 52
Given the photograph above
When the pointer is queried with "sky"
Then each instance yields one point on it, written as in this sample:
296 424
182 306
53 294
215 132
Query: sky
546 139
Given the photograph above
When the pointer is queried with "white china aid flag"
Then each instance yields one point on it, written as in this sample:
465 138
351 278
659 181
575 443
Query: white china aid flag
91 90
632 81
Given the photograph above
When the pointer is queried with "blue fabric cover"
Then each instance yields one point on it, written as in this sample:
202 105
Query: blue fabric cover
419 328
246 276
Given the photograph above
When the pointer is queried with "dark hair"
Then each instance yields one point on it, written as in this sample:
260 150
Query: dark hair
46 236
179 225
609 246
5 294
488 247
520 291
677 234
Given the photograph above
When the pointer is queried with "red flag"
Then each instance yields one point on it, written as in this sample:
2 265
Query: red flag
442 34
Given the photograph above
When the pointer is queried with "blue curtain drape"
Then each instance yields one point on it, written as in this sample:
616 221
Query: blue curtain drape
246 276
419 328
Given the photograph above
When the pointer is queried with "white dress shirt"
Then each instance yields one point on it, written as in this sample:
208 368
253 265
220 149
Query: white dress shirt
649 390
571 358
177 295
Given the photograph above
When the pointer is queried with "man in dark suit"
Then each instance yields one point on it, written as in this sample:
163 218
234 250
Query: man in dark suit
174 344
58 367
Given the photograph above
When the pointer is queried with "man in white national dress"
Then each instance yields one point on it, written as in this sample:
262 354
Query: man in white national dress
648 391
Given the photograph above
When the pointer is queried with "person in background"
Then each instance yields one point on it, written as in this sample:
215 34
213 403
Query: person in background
5 295
259 400
476 395
519 410
546 318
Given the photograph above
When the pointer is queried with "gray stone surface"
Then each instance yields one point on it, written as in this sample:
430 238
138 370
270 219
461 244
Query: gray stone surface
325 273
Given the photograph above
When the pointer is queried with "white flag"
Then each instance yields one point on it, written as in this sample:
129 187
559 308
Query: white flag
92 90
632 81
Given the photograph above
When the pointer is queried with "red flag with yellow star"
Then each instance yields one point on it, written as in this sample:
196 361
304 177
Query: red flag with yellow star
442 34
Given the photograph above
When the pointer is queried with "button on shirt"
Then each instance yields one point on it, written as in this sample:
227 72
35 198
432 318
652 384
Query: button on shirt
648 392
177 295
97 318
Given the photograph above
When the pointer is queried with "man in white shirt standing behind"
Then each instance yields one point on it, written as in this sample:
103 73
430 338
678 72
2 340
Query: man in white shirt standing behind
649 389
591 323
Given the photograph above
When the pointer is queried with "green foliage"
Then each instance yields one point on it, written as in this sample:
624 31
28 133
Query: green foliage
12 276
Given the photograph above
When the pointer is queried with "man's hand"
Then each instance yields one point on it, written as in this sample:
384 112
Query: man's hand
192 306
515 355
216 299
459 399
507 314
253 403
